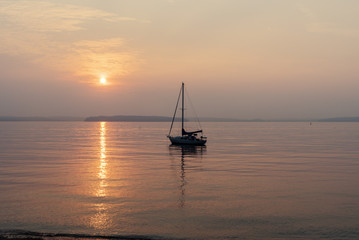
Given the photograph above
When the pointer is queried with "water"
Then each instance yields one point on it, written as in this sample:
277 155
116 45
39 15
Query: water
252 181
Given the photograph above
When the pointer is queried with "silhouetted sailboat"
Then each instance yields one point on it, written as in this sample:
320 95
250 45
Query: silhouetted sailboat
186 138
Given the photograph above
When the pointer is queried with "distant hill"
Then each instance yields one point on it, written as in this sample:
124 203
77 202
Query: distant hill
135 118
211 119
128 118
340 119
13 118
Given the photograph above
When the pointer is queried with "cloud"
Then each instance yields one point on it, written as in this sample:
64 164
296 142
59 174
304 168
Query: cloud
306 11
327 28
39 31
322 22
44 16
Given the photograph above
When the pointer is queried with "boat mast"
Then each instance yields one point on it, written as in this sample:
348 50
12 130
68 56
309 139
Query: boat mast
182 107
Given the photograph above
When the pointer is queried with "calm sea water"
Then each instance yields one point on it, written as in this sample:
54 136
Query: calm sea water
251 181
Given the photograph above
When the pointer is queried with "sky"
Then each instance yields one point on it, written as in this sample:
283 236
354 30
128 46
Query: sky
243 59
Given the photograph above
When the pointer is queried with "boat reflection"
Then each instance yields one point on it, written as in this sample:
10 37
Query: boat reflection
189 156
101 219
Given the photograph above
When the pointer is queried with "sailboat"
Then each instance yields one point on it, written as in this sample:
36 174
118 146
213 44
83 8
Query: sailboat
186 138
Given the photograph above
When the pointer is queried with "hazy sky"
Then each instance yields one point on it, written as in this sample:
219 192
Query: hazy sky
239 58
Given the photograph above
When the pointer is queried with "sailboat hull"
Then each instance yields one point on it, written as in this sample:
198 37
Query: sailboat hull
187 140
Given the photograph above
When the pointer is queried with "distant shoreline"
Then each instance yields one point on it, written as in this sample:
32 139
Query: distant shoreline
136 118
39 119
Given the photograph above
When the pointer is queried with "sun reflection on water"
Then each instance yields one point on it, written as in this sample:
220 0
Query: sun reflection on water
101 219
102 174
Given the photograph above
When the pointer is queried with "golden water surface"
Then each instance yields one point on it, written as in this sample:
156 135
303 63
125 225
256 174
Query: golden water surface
252 180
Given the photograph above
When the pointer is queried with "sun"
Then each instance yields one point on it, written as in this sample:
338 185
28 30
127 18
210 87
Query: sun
103 80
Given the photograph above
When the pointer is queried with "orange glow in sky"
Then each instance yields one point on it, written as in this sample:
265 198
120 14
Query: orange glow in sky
240 59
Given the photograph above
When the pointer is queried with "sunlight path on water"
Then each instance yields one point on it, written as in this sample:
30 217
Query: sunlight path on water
251 181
